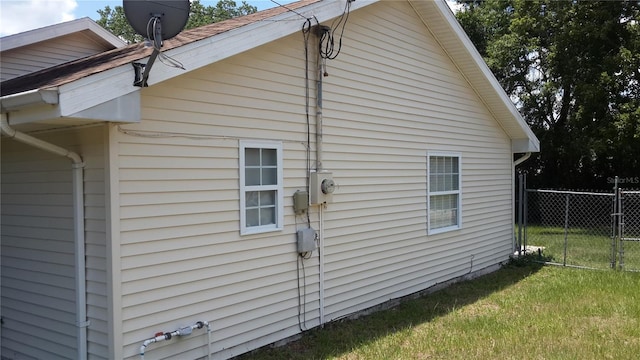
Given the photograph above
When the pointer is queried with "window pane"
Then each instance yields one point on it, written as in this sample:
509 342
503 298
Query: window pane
267 198
443 174
267 216
252 176
261 173
251 199
269 176
269 157
253 217
444 211
251 157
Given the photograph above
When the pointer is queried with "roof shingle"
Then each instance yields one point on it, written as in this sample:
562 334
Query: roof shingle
78 69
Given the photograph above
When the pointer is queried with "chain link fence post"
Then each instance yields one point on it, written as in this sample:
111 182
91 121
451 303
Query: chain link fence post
571 228
629 230
614 220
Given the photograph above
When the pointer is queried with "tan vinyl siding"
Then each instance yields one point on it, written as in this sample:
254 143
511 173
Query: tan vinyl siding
391 96
31 58
92 150
38 274
183 258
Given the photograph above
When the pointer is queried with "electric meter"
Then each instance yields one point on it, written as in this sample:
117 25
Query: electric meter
321 187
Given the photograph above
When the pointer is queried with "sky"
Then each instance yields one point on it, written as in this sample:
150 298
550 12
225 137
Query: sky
22 15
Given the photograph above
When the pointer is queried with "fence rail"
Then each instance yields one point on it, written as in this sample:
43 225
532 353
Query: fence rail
580 228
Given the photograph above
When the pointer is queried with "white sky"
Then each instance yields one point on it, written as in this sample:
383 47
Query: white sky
22 15
18 15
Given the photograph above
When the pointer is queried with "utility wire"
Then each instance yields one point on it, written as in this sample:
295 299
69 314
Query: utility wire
153 23
289 9
327 39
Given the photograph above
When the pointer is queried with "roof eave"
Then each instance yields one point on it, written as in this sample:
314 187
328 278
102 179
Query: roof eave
442 23
79 95
29 98
525 145
57 30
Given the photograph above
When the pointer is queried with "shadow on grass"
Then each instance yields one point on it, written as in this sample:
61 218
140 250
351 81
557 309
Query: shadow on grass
342 336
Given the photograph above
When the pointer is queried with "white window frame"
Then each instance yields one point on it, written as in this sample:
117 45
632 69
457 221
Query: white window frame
279 198
430 193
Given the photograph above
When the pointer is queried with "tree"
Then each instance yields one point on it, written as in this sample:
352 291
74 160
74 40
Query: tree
574 68
115 21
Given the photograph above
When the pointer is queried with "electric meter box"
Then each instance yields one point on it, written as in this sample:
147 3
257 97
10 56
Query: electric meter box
321 187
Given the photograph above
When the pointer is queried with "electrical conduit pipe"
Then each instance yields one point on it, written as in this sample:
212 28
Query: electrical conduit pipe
78 220
187 330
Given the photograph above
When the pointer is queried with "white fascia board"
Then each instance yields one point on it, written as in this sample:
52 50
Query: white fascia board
525 145
29 98
57 30
33 114
126 108
497 90
216 48
30 107
88 92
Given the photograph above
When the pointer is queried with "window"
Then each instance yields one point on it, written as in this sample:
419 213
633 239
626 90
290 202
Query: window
443 198
261 198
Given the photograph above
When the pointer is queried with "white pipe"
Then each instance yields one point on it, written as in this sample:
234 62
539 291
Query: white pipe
321 260
187 330
319 115
522 159
78 220
208 340
517 162
319 167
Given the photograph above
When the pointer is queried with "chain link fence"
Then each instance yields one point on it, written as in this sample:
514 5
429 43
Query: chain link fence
597 230
629 230
571 228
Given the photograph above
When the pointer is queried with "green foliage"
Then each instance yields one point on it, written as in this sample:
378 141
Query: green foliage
574 67
115 21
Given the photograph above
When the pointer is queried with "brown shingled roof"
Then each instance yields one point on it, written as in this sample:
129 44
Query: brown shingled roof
78 69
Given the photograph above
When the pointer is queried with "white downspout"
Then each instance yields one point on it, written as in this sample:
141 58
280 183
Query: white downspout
319 167
517 162
522 159
78 220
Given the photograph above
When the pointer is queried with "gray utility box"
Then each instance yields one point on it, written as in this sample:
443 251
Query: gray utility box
306 240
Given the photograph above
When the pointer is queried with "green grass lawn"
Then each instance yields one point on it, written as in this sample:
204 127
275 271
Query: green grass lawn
588 247
523 311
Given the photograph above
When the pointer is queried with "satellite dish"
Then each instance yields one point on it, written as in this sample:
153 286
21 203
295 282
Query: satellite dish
157 20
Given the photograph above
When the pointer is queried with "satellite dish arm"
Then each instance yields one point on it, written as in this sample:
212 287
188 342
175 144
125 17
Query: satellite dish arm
146 17
156 30
142 70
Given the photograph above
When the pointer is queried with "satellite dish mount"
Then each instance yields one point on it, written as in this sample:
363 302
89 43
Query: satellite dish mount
156 20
